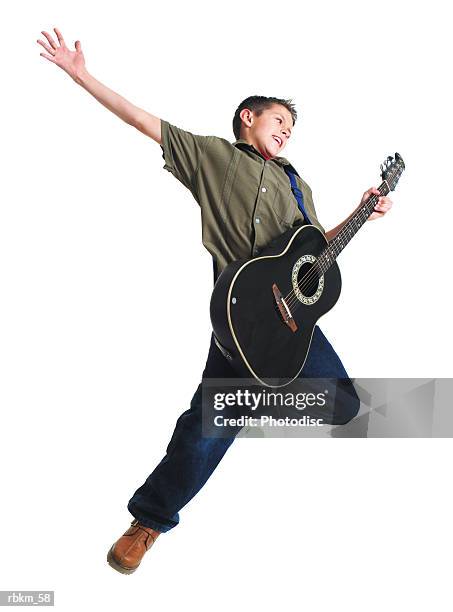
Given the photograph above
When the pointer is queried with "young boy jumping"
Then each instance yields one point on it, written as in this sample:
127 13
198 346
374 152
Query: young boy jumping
246 200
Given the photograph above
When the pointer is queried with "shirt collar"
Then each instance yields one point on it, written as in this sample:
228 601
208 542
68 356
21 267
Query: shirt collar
281 161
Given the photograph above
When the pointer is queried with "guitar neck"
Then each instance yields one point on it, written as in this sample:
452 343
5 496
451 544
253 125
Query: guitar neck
349 230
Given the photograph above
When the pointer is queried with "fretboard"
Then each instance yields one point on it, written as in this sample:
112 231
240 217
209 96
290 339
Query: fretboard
350 229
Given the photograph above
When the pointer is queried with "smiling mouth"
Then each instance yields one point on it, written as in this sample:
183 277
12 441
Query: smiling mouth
278 140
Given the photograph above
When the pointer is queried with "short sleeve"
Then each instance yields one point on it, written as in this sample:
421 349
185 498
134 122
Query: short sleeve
182 152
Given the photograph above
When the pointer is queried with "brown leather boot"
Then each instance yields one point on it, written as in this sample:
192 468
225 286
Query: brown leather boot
126 553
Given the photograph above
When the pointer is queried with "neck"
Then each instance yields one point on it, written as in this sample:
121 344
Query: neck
350 229
263 153
257 148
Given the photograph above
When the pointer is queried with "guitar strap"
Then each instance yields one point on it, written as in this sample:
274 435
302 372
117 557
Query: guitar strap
297 193
214 266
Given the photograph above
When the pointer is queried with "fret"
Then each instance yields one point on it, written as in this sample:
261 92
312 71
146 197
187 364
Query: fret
337 244
390 172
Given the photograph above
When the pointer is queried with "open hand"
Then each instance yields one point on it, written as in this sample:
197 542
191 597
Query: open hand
383 205
71 62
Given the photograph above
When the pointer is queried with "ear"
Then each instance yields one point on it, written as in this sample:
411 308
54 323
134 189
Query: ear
246 116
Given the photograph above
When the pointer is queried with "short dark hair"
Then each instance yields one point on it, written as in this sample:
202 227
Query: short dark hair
258 104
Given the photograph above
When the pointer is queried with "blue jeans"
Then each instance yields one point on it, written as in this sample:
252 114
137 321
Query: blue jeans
191 458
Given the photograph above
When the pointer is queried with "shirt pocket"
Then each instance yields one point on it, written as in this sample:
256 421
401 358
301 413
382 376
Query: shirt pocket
284 205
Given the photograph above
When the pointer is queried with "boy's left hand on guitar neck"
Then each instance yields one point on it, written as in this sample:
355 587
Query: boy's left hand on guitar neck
383 205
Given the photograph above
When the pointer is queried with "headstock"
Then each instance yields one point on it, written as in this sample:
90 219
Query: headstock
392 169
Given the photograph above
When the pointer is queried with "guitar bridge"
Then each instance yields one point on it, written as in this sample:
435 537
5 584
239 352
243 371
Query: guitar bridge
283 308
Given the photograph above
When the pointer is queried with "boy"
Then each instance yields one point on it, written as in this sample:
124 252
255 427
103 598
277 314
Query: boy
246 201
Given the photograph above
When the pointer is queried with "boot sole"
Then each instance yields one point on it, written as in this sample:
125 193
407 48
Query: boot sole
114 563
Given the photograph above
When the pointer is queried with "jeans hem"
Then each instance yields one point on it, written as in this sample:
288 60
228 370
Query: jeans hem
146 522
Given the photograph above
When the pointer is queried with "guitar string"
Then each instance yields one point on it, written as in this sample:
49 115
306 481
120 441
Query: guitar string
316 269
291 298
364 213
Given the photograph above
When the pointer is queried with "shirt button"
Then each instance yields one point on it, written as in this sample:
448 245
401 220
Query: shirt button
263 189
257 220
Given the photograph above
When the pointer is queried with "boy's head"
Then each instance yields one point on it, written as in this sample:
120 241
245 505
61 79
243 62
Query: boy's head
262 121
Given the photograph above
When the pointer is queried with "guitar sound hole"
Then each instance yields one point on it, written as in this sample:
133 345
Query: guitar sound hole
308 285
307 279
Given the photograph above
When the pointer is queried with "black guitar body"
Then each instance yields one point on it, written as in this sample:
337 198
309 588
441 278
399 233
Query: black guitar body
264 310
245 315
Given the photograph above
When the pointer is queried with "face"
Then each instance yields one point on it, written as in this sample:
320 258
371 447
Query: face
263 132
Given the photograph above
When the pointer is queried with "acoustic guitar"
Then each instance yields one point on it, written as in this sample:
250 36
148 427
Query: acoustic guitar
264 310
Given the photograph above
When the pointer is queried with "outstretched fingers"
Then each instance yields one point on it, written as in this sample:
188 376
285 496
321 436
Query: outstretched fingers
52 43
60 37
49 57
46 47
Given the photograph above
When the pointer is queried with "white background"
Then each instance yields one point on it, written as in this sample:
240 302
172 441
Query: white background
104 311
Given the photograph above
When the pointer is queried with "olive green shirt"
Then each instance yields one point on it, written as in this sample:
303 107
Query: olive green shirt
246 201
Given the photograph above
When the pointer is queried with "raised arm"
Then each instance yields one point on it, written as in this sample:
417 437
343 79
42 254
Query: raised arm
73 63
